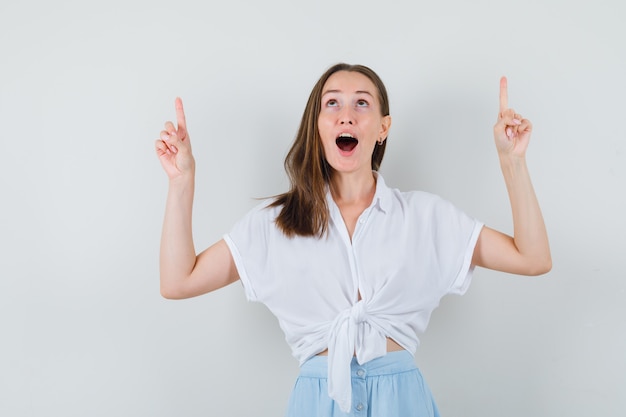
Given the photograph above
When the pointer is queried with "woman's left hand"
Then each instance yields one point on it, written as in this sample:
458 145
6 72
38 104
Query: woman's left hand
511 132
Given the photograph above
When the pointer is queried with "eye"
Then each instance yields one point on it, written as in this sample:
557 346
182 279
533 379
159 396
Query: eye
362 103
332 103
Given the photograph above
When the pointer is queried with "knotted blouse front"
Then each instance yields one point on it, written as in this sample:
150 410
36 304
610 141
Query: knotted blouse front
408 250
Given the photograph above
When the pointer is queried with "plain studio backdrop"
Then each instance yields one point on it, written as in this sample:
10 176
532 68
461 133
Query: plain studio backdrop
85 88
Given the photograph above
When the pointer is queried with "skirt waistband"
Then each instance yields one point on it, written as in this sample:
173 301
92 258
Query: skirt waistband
391 363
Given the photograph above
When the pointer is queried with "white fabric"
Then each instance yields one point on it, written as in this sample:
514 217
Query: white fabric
408 250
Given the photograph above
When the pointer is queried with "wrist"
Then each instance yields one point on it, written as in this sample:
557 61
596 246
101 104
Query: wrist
513 167
511 160
183 181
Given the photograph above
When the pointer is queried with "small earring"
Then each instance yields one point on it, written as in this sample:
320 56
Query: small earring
380 141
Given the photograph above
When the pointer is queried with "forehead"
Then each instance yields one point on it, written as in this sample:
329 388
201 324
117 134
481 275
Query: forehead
349 82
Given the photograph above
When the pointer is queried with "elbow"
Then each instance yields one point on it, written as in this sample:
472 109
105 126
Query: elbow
171 292
172 284
540 267
543 270
167 293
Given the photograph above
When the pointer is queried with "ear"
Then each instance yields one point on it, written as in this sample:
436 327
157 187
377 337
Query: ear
384 127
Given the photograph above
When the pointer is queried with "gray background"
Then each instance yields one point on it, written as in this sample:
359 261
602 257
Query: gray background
85 88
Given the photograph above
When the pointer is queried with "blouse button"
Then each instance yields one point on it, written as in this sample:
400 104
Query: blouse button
360 372
359 407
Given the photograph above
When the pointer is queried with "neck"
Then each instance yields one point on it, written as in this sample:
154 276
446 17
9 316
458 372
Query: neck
353 188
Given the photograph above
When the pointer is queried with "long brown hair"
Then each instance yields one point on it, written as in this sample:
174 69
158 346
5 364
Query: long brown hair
304 209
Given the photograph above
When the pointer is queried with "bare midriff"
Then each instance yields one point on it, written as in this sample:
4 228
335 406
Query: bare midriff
392 346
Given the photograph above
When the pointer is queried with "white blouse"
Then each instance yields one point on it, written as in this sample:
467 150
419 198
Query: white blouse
408 250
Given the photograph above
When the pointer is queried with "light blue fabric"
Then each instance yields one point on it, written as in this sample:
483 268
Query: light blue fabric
389 386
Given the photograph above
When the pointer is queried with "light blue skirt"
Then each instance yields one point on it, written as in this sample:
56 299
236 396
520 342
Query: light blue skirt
389 386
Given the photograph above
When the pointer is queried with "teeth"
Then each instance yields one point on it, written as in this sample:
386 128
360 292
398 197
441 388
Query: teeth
346 135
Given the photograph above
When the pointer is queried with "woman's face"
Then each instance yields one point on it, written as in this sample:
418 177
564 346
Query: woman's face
350 122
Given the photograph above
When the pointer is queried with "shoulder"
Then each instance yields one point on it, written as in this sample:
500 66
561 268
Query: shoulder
261 216
265 206
263 211
419 200
419 197
394 198
426 208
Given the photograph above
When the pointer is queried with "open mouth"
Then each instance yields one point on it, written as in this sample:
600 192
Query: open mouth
346 142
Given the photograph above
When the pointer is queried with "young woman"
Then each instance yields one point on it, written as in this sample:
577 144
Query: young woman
351 268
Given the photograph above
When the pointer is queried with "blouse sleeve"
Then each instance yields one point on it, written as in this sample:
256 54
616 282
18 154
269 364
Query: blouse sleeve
248 244
454 235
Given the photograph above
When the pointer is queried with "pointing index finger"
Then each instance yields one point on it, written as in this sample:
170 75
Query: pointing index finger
180 114
504 95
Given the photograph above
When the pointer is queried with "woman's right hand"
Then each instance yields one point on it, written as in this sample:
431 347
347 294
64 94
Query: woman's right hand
173 147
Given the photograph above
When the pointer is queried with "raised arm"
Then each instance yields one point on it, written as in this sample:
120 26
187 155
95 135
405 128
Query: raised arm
184 274
528 251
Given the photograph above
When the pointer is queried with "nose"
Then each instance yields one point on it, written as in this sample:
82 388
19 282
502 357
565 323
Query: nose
346 117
